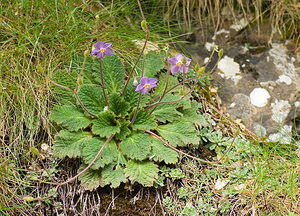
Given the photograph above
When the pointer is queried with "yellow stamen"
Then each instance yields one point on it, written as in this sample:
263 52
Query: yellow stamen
179 63
147 86
102 50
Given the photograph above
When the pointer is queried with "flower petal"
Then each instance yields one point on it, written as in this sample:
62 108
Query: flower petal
95 51
100 55
108 52
174 69
179 57
106 45
139 87
99 44
144 91
144 80
173 60
153 81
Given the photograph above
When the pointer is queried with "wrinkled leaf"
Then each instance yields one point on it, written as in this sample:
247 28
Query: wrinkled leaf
160 152
144 121
70 117
107 156
137 146
70 144
118 105
153 64
106 125
143 172
90 179
114 175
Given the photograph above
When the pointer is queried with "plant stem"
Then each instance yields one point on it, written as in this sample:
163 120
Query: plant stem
136 111
102 83
146 40
76 96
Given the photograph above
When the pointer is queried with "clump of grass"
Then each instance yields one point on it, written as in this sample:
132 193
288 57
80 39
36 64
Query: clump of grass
283 15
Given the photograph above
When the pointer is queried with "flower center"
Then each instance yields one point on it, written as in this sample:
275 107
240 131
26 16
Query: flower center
147 86
102 50
179 63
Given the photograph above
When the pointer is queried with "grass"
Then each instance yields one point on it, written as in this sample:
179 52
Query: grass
39 36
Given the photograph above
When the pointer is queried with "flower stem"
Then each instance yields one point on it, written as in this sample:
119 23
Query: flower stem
102 83
136 111
146 40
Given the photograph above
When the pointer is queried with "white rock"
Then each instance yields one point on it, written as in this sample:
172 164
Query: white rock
259 97
230 69
284 79
280 110
221 183
240 24
283 136
210 46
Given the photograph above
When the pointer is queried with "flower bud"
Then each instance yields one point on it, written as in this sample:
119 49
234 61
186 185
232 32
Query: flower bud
143 24
216 48
184 60
28 198
105 108
220 53
97 16
200 71
80 80
86 53
181 92
135 82
197 67
34 151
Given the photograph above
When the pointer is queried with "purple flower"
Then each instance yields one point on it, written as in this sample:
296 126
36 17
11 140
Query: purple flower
146 84
102 49
177 64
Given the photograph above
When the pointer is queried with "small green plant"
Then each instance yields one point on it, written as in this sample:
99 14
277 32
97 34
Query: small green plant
119 127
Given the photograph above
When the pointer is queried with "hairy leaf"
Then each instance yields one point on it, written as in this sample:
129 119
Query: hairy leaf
137 146
191 115
91 179
106 124
70 143
70 117
107 156
92 98
114 174
113 73
153 64
144 121
143 172
118 105
124 131
179 133
160 152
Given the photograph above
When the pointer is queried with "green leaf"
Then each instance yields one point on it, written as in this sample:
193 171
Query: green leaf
191 115
70 143
179 133
92 98
160 152
107 156
106 125
114 174
137 146
143 121
68 79
143 172
90 179
113 73
124 131
70 117
118 104
167 112
132 97
153 64
91 68
162 84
